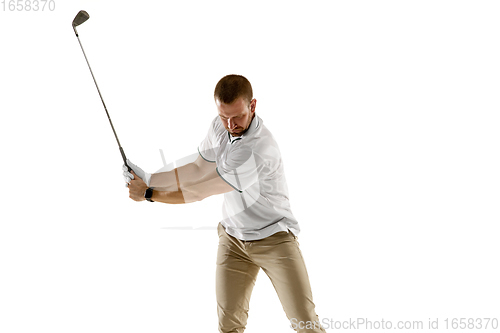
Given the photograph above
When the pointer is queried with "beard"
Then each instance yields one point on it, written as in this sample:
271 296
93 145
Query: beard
239 131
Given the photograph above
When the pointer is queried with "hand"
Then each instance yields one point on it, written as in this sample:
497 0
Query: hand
146 177
127 175
136 188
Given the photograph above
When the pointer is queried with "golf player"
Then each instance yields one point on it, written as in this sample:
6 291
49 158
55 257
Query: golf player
240 159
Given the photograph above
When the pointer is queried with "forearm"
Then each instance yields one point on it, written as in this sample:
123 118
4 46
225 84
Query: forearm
189 183
174 197
208 185
168 197
174 179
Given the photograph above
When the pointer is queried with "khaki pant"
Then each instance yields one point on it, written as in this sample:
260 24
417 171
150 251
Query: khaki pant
238 263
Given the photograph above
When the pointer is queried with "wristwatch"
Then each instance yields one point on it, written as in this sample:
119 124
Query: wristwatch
148 194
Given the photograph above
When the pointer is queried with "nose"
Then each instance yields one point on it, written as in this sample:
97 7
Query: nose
231 124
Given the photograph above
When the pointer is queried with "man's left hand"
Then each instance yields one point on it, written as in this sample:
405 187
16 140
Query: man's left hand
137 187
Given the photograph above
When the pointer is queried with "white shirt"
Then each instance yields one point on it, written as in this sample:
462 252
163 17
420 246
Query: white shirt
252 165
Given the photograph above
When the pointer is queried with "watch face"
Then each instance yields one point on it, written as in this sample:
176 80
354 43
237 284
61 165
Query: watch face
148 194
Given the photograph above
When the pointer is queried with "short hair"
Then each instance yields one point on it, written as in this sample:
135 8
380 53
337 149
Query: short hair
231 87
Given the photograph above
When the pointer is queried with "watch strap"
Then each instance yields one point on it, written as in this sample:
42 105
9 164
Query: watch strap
148 194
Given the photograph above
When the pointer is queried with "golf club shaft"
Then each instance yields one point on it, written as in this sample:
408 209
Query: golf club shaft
104 104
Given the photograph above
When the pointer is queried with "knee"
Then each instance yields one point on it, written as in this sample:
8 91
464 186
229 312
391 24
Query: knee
232 320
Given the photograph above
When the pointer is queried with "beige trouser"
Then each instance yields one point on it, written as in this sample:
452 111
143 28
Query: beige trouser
238 263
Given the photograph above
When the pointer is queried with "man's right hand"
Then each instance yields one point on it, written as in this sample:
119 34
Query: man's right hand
146 177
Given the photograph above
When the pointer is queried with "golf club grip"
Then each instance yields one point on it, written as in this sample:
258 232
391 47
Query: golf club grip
125 159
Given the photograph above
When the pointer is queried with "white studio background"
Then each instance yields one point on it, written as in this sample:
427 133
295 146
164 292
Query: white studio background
386 113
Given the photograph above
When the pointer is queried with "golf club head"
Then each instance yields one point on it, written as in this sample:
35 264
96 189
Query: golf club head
80 18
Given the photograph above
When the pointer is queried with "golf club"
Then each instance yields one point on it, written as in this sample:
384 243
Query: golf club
80 18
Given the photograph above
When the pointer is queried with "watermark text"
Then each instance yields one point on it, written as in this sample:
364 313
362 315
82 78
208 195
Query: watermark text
28 5
383 324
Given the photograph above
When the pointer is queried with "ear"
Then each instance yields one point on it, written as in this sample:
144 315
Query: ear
253 105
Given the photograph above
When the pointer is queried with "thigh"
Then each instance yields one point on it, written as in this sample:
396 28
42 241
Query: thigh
235 278
283 262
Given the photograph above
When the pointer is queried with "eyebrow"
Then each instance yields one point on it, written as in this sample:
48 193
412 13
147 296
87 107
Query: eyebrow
223 116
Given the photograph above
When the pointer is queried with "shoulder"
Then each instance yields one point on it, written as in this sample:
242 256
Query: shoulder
216 122
216 129
216 125
265 144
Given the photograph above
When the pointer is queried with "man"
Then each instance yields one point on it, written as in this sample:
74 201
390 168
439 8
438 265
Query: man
240 158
